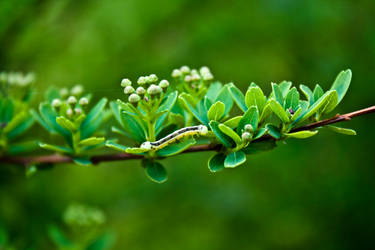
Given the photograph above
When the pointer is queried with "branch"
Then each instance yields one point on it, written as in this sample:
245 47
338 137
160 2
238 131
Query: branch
56 158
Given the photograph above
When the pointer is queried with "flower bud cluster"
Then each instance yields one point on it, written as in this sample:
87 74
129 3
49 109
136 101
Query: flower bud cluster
76 91
70 105
148 88
193 77
17 78
248 133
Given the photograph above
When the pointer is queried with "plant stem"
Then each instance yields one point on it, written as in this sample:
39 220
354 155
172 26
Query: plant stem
56 158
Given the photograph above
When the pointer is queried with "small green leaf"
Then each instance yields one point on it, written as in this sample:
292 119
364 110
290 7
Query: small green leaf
94 113
279 111
49 116
59 149
14 122
58 237
267 111
187 101
65 123
102 242
273 131
120 131
176 148
22 147
292 99
255 97
116 146
341 83
213 90
82 161
250 117
277 94
234 159
216 111
233 122
229 132
21 128
133 127
223 138
216 162
302 134
92 141
260 133
308 93
42 122
296 114
345 131
136 150
284 87
318 92
238 97
155 171
331 104
259 146
225 97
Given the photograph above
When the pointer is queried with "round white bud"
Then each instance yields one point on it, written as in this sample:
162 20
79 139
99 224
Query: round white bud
134 98
249 128
69 112
185 70
154 89
128 90
152 78
207 76
176 73
204 70
195 77
188 78
83 101
140 91
142 80
125 82
64 92
78 111
246 136
77 90
56 103
72 100
164 84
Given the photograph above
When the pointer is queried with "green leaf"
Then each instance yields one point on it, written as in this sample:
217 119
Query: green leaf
255 97
341 83
292 99
233 122
318 92
225 97
155 171
260 133
345 131
238 97
103 242
259 146
14 122
267 111
92 141
58 237
216 111
308 93
120 131
22 147
21 128
116 111
229 132
133 127
164 110
94 114
277 94
213 90
136 150
216 162
176 148
316 106
250 117
42 122
273 131
234 159
296 114
7 110
223 138
279 111
331 104
187 100
82 161
65 123
302 134
116 146
52 93
49 116
59 149
284 87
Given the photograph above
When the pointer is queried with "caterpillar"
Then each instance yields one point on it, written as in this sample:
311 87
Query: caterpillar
176 135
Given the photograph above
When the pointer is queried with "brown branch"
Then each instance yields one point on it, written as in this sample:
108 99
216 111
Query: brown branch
56 158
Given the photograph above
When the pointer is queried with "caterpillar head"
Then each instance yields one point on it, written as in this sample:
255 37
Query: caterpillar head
203 130
146 145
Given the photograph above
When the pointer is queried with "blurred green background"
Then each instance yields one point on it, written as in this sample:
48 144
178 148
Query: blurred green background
310 194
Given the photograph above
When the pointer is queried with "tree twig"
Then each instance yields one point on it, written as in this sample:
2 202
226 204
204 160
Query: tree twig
56 158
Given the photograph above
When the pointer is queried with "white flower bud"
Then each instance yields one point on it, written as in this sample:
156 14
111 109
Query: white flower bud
195 77
78 111
56 103
77 90
185 70
207 76
164 84
176 73
134 98
152 78
69 112
154 89
72 100
188 78
246 136
125 82
128 90
64 92
83 101
204 70
142 80
249 128
140 91
194 72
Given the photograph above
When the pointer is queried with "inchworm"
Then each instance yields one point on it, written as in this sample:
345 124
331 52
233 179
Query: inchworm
176 135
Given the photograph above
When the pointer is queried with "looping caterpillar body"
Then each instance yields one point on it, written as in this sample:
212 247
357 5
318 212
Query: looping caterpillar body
176 135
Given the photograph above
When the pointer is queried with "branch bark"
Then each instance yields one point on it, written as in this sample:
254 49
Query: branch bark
56 158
